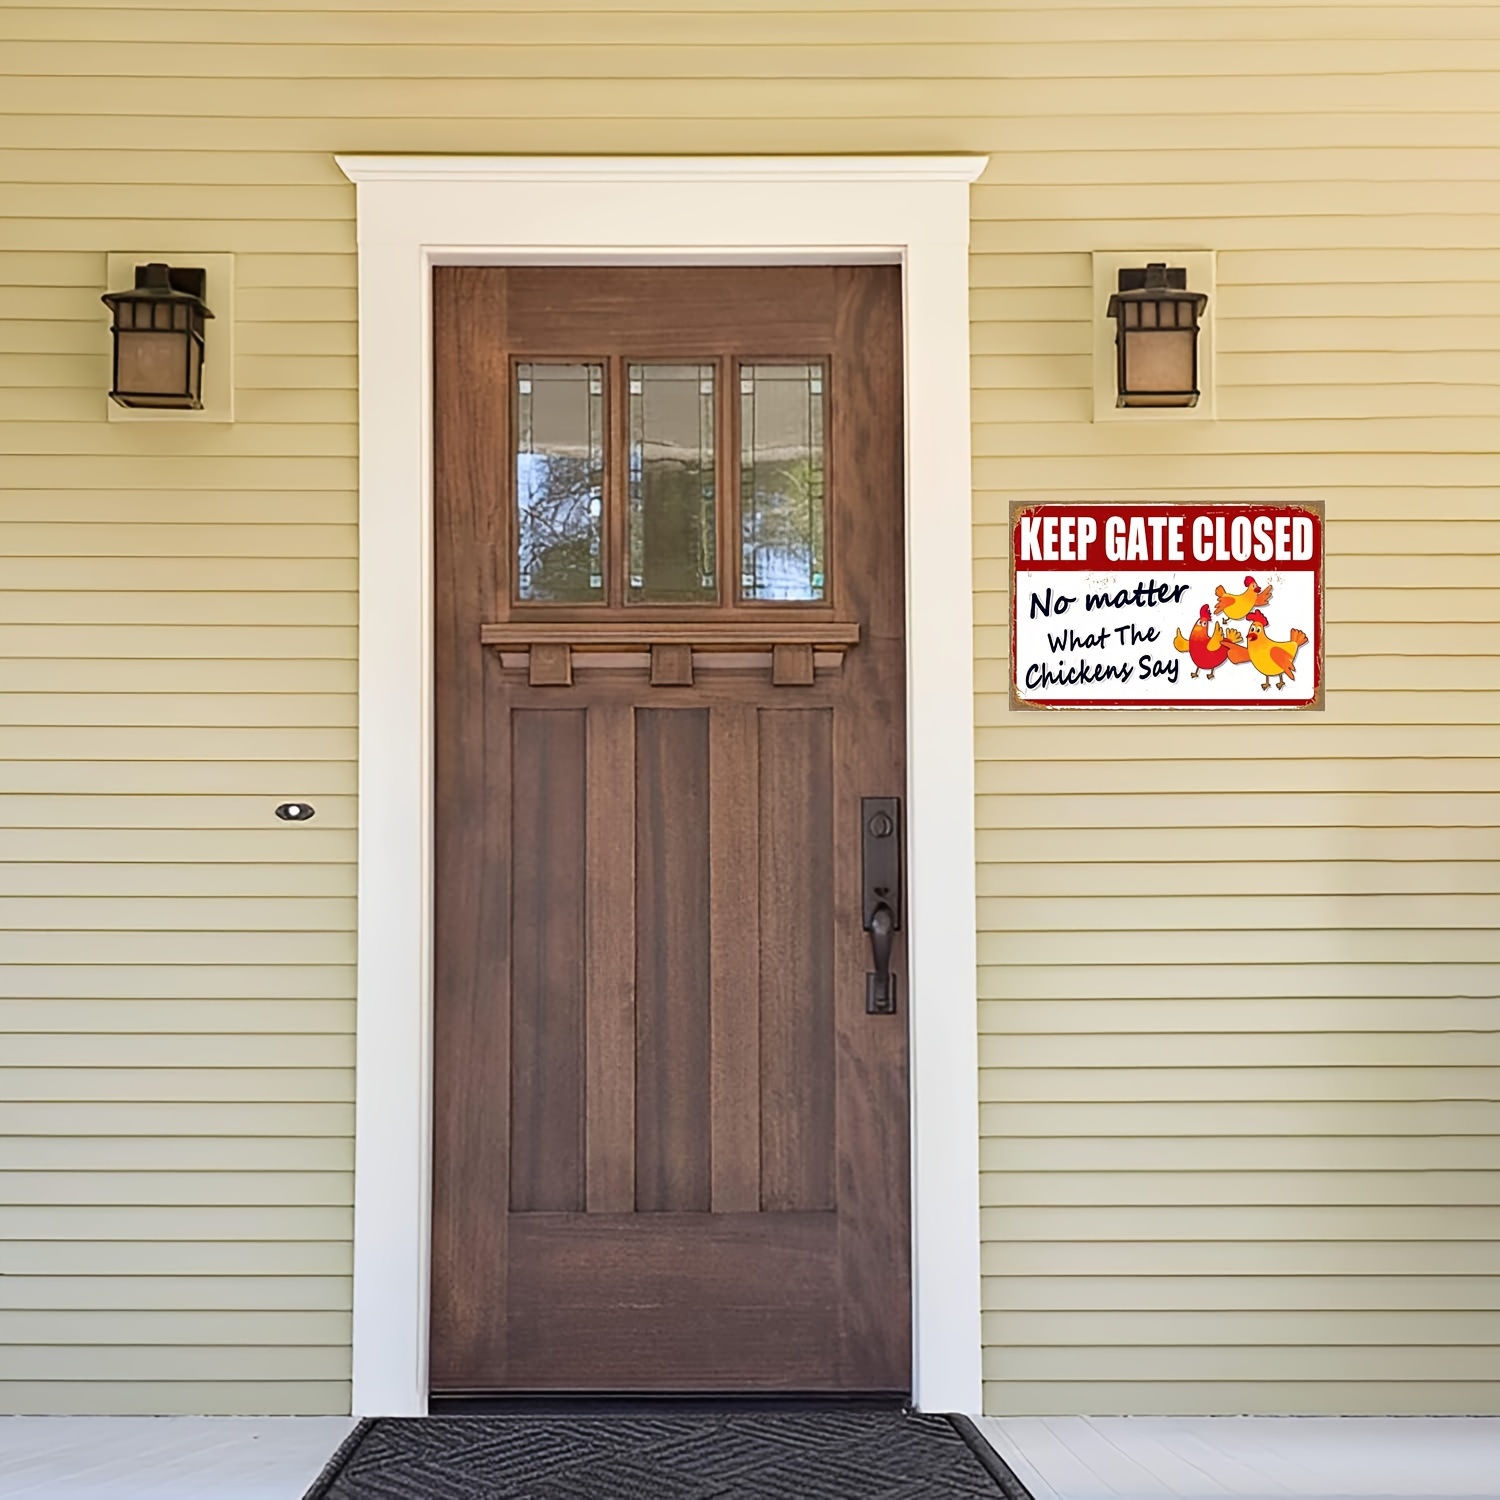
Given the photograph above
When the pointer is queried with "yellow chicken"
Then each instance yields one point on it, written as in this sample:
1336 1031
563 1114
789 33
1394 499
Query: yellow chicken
1269 658
1238 606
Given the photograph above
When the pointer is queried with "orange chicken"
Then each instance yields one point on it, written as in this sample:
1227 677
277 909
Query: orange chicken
1270 658
1238 606
1207 651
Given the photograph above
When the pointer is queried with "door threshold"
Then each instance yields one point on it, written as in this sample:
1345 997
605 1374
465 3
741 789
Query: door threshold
645 1403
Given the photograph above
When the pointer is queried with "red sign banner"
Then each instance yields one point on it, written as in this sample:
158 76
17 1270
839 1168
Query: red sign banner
1166 606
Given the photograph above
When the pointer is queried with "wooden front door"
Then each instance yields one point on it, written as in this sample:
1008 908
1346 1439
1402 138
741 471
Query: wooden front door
670 1139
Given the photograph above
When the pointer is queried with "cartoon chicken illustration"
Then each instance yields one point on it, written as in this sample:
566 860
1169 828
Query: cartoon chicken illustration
1238 606
1269 658
1207 651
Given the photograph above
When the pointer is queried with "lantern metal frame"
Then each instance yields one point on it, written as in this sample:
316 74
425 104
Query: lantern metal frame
165 300
1151 302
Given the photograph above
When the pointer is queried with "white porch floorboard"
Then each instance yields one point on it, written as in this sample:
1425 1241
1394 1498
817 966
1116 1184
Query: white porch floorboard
1251 1458
165 1458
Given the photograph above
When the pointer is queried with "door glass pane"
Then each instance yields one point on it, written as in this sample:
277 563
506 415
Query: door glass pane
560 482
781 482
672 532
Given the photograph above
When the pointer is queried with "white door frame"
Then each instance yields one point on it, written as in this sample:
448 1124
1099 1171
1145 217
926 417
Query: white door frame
417 212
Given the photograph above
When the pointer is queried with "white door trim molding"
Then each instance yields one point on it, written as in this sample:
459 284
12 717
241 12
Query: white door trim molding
417 212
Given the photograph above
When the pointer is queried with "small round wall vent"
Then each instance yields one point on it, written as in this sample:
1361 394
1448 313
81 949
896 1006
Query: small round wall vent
295 812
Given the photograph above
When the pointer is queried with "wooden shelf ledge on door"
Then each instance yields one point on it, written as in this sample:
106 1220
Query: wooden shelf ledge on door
673 646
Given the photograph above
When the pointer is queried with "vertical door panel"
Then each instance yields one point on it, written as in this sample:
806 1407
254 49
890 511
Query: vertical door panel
673 1128
734 881
610 914
796 985
547 960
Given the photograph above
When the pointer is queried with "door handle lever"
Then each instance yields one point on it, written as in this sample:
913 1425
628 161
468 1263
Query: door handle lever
880 987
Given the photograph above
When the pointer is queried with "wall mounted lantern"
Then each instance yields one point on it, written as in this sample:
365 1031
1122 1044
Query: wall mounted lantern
1156 336
158 338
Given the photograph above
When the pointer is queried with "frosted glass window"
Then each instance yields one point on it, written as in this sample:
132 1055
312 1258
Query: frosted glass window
782 482
560 482
672 531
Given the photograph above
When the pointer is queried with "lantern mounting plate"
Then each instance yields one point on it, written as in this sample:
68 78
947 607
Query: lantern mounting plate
127 268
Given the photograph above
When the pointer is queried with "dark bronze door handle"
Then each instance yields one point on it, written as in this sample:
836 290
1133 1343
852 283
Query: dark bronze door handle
881 861
880 987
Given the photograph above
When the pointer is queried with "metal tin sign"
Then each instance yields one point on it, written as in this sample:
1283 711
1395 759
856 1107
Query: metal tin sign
1166 606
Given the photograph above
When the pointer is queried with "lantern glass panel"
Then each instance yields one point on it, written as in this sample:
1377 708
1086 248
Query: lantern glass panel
1159 361
152 363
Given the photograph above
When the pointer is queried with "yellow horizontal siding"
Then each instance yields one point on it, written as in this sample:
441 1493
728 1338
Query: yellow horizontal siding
1140 1394
176 1017
1304 1294
103 1394
147 1294
1183 1189
1237 973
275 1117
1230 1157
49 1154
58 1361
91 777
214 1050
1265 1261
178 624
176 1258
304 1189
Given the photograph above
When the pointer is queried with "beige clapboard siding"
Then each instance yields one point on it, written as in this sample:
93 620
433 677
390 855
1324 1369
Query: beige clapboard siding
178 1158
257 914
163 1189
322 880
1250 1328
181 1116
313 777
101 1394
1147 1190
1290 1131
123 1153
1280 1260
181 1258
935 130
1390 1378
147 1294
1306 1294
811 93
211 1050
312 1329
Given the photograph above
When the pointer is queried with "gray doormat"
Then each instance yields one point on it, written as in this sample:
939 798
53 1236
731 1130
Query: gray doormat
813 1455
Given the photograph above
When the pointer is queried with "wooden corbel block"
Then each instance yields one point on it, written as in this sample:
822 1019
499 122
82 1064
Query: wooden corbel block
792 665
671 666
550 666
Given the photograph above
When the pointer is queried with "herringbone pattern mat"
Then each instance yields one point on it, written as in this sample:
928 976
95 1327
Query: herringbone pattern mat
771 1456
